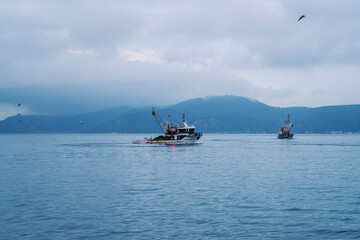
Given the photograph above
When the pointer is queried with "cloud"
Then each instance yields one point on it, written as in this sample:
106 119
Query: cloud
81 52
58 34
73 56
146 55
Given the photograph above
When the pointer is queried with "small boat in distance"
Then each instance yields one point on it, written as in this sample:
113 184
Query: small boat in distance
285 130
173 133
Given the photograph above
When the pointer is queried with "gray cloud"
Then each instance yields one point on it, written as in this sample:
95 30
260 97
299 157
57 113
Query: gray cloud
68 56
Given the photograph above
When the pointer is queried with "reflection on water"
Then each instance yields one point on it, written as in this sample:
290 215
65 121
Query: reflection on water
231 186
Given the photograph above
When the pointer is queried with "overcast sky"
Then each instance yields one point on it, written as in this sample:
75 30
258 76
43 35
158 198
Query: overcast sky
83 55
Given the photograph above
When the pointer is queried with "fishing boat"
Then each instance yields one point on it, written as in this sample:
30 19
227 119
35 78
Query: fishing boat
173 134
285 130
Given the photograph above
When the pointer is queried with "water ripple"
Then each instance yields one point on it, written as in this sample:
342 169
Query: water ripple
230 187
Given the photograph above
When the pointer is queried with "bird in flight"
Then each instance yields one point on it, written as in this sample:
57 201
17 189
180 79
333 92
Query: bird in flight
19 105
301 17
81 122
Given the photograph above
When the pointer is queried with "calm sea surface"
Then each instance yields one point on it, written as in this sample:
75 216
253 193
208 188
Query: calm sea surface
229 187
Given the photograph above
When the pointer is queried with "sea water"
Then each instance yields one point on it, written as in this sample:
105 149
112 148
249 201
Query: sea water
75 186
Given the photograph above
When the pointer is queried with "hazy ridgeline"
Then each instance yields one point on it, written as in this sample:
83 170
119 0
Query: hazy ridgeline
223 114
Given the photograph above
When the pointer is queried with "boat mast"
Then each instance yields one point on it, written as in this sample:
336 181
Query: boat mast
158 119
287 120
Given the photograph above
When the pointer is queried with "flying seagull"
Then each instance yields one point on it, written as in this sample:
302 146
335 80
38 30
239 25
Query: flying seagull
19 105
301 17
81 122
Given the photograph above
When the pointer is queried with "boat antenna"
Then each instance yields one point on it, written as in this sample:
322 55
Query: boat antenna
184 120
158 119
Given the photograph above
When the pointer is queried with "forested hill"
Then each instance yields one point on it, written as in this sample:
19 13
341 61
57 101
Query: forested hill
220 114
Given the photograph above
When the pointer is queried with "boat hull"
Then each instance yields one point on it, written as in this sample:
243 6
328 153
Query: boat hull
187 140
289 136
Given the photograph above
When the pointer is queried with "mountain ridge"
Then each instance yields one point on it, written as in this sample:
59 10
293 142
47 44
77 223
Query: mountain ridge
214 114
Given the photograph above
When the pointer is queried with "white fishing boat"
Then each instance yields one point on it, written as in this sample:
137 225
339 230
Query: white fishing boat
173 134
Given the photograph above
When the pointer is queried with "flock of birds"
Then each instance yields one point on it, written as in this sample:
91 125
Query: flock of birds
81 122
